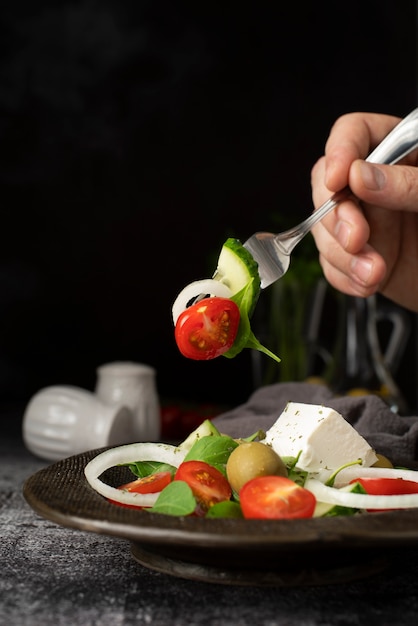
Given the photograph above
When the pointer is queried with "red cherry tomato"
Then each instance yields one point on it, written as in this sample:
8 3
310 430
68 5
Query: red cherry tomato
387 486
275 497
208 484
147 484
207 329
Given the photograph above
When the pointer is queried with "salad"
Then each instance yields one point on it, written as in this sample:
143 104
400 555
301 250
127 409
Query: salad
211 474
212 316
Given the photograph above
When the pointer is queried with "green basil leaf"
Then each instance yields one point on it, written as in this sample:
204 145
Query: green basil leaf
212 450
175 499
146 468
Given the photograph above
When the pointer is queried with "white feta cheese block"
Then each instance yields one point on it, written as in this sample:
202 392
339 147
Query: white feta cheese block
324 439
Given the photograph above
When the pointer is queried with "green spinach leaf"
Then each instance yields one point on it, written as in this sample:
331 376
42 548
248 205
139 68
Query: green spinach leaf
245 337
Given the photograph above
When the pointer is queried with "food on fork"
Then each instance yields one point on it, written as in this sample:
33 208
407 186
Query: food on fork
212 316
237 270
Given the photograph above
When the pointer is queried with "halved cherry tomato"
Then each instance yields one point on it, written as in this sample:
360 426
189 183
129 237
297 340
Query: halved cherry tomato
275 497
386 487
207 329
208 484
147 484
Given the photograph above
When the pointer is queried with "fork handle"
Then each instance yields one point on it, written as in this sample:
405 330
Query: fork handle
397 144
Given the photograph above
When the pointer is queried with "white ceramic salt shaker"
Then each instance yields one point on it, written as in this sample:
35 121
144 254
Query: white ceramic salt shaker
64 420
133 385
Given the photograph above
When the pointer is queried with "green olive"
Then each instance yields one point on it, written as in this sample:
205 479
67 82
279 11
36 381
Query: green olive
382 461
252 459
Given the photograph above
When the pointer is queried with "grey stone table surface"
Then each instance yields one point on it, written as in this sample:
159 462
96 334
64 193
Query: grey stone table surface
56 576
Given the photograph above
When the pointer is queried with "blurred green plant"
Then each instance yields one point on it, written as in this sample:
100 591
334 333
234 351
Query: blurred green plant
281 316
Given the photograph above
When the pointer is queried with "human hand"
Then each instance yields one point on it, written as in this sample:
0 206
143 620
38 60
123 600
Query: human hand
369 243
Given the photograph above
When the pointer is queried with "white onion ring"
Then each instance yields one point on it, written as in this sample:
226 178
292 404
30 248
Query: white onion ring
347 474
330 495
196 289
130 453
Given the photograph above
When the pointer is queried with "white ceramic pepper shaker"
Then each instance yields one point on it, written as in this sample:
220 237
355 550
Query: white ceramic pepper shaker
125 383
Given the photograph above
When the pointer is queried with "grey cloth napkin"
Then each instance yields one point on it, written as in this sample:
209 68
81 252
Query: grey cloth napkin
388 433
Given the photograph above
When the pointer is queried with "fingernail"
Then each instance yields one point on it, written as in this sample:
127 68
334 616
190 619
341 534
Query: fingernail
373 178
343 233
362 268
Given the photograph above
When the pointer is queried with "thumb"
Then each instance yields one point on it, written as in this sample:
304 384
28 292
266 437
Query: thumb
389 186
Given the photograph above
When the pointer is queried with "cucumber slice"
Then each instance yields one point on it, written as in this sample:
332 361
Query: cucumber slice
237 268
205 429
323 509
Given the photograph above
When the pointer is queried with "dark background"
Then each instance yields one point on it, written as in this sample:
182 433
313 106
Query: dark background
136 136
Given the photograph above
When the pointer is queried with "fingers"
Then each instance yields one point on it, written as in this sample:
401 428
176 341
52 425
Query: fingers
349 263
352 137
388 186
356 275
346 223
367 244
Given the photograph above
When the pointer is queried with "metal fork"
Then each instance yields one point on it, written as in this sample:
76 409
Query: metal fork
272 252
